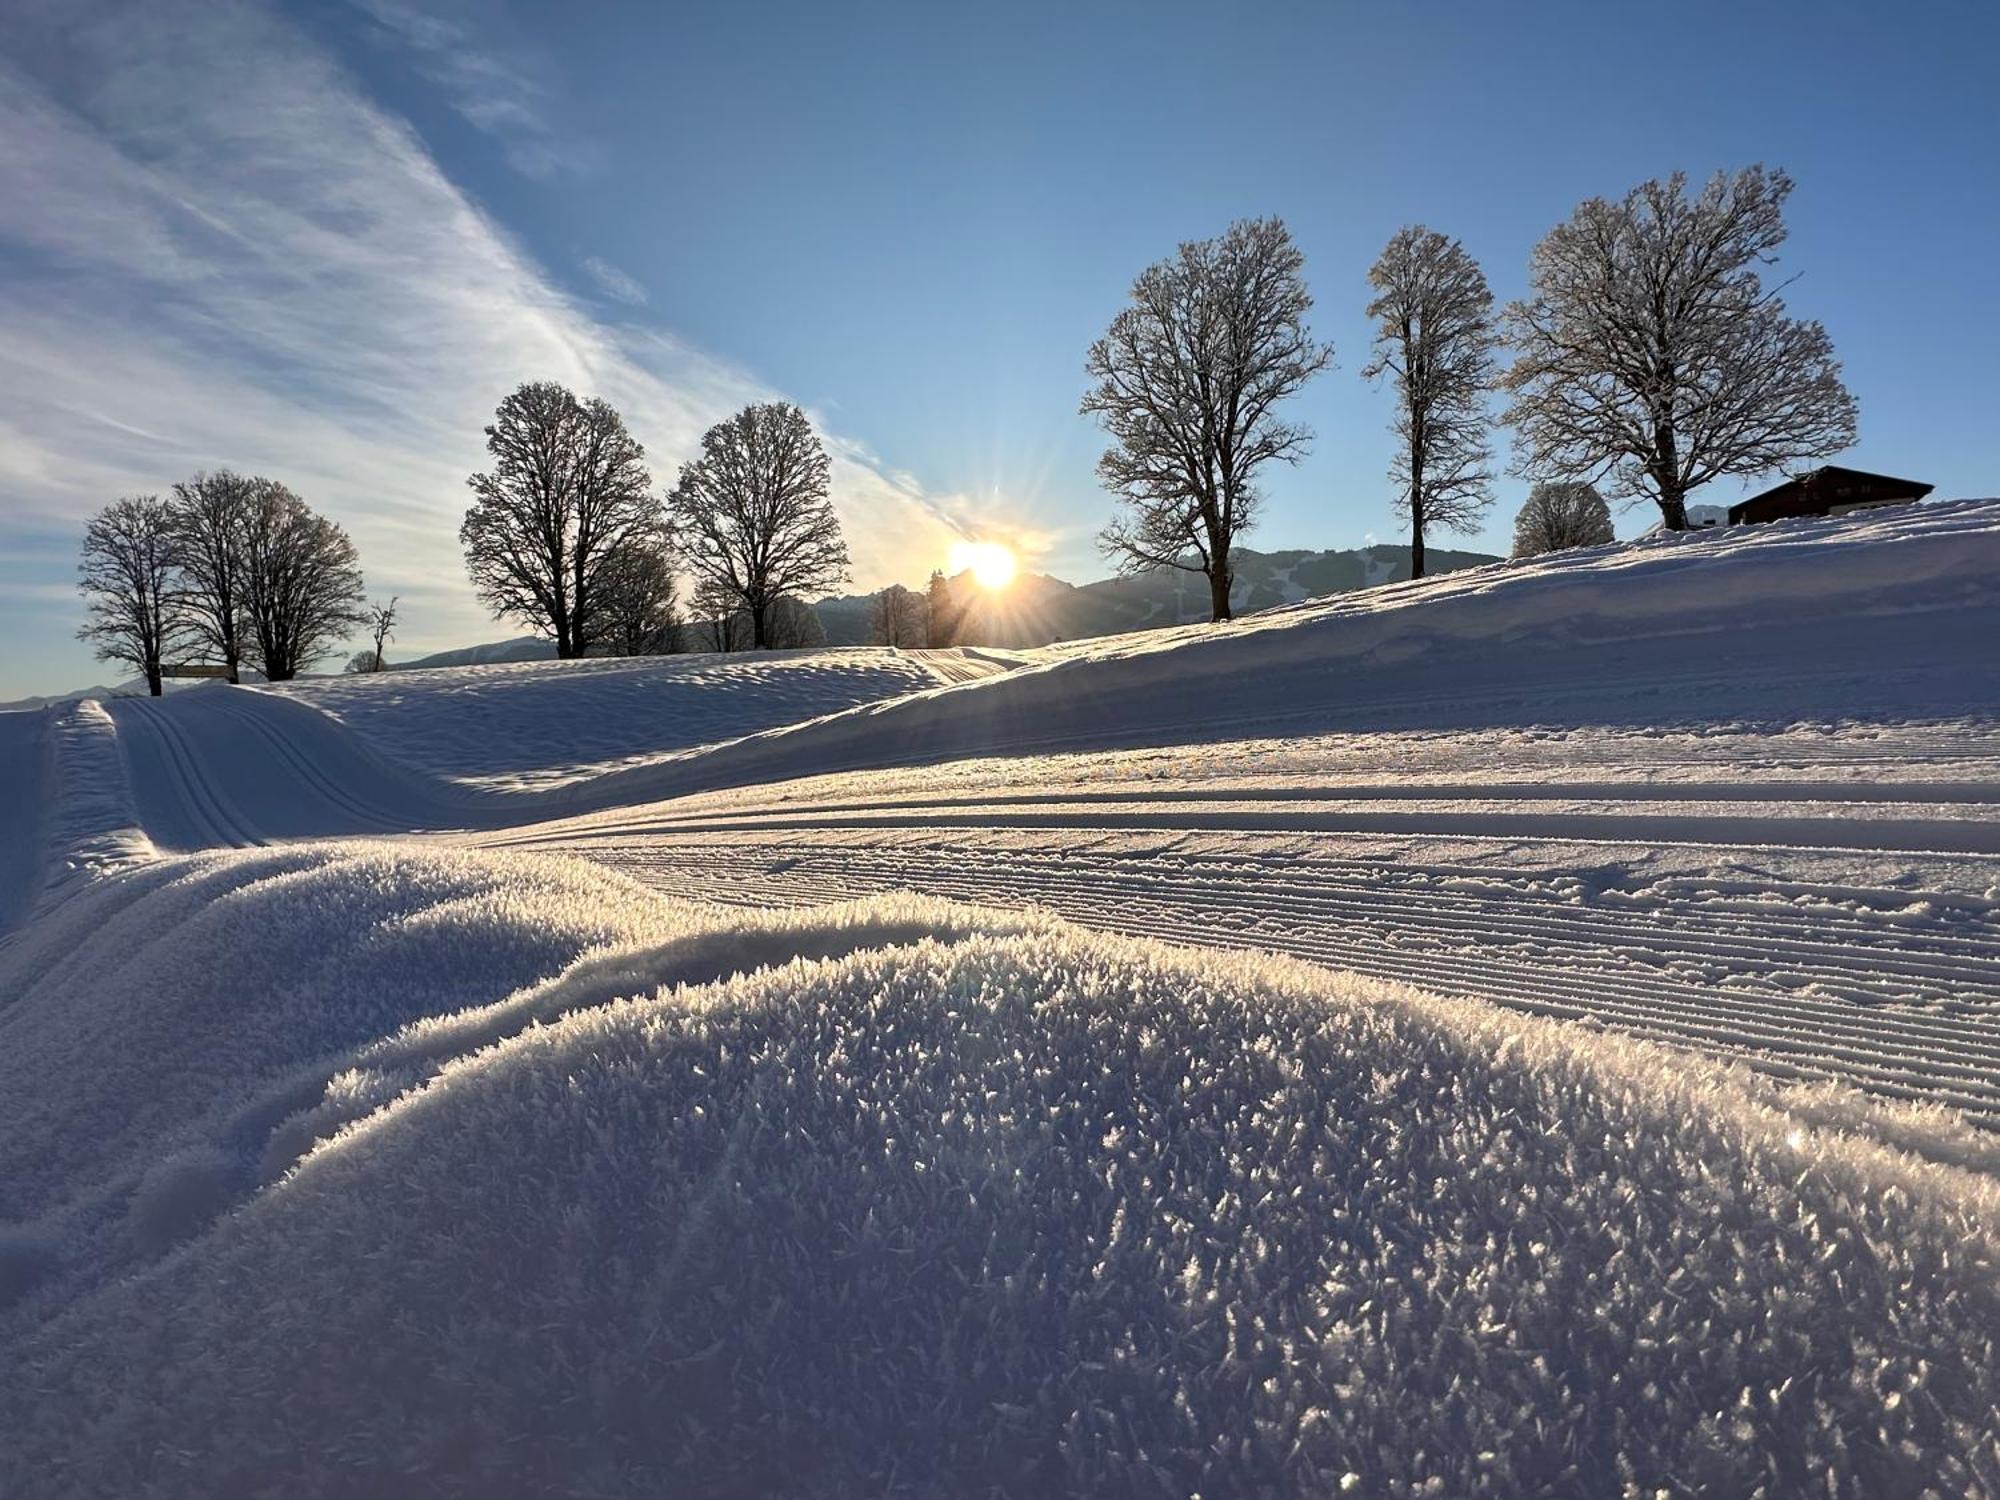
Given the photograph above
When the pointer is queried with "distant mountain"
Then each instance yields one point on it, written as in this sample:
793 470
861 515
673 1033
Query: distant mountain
521 648
1037 609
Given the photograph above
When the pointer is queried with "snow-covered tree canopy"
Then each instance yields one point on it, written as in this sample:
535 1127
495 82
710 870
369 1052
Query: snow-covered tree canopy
1560 514
1652 357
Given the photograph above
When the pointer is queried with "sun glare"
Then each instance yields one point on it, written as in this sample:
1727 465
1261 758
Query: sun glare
990 563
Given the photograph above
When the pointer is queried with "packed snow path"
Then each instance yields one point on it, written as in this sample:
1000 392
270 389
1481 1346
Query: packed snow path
1814 917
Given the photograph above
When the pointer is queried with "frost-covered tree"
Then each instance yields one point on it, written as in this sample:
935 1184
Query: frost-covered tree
641 597
1188 379
1653 358
1559 514
133 610
897 617
755 516
301 581
1434 334
567 486
210 521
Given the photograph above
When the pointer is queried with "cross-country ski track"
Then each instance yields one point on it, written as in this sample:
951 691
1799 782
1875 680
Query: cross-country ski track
1788 855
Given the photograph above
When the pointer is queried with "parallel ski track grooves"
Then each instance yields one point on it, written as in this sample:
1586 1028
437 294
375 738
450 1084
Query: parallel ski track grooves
208 811
1886 1047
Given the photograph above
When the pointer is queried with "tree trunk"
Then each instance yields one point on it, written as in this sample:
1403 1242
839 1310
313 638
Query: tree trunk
1219 579
760 633
1673 510
153 683
1416 500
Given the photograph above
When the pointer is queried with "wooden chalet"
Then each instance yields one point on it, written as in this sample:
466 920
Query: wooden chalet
1828 491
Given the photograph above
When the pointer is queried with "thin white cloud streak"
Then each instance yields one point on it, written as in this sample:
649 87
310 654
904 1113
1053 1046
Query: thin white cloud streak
276 276
493 94
613 282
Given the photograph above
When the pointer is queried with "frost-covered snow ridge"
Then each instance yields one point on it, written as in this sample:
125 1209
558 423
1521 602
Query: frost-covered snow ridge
1533 1031
934 1202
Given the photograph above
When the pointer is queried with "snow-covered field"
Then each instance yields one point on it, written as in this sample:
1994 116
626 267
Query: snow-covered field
564 1060
547 723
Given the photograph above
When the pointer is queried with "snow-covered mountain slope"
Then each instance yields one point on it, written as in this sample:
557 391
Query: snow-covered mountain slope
484 1175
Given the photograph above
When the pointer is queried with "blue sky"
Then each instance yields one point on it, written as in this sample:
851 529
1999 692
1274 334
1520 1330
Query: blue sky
320 240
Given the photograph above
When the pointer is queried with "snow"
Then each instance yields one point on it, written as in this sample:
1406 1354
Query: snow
1534 1030
547 723
927 1202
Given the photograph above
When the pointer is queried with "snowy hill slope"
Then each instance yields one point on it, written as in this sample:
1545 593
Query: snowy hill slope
946 1202
1774 626
539 724
1827 618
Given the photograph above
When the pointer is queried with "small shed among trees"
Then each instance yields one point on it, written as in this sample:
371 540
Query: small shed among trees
1827 491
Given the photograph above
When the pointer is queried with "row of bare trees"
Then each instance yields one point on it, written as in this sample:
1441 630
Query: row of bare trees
229 568
1650 357
567 536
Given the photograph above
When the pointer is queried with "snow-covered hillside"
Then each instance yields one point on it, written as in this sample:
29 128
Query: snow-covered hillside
545 723
611 1116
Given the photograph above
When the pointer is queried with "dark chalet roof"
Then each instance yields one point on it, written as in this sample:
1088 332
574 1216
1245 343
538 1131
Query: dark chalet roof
1819 491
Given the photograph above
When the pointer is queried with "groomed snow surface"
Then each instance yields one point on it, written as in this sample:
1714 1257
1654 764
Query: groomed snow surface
384 1110
931 1202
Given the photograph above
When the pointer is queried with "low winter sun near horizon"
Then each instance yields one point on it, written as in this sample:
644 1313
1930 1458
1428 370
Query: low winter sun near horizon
820 755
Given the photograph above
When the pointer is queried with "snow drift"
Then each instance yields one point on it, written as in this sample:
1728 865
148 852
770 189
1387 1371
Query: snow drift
929 1201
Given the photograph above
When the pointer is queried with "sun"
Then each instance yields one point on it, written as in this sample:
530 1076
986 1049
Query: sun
991 564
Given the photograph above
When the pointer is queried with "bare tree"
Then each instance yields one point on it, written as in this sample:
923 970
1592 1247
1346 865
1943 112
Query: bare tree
794 624
1653 358
754 514
1560 514
897 617
1434 334
134 613
382 629
1188 378
640 598
211 517
944 612
301 581
721 622
364 661
568 485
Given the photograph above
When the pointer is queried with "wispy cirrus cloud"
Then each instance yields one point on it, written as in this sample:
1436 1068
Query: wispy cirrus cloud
278 277
449 42
613 282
